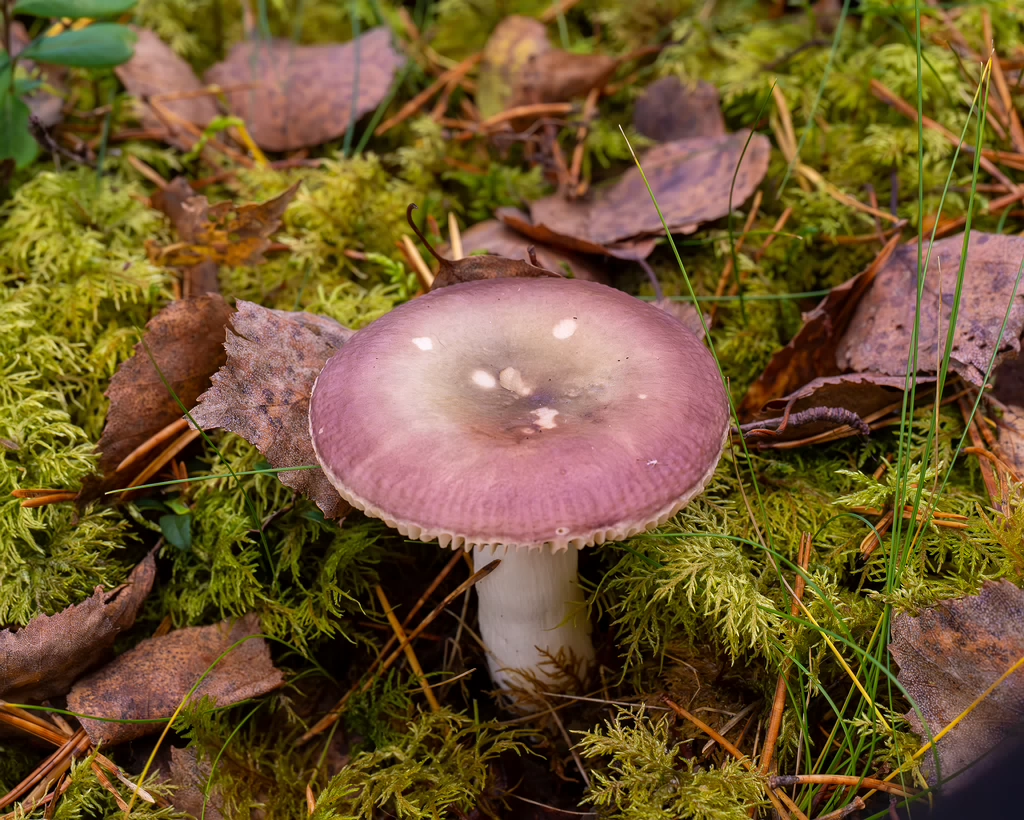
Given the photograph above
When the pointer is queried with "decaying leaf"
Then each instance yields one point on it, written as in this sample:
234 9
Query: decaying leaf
812 352
224 234
948 656
878 338
156 71
669 110
190 778
472 268
47 656
179 203
149 681
1009 391
186 339
262 392
692 181
495 238
521 67
304 94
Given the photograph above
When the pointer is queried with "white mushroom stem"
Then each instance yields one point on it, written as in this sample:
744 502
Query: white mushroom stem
533 618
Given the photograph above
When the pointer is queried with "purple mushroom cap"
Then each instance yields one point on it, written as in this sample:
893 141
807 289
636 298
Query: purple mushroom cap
520 412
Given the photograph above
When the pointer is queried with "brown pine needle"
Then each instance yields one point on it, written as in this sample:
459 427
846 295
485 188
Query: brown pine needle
35 493
46 500
410 653
845 811
421 99
175 428
785 780
455 237
158 463
727 269
59 761
106 784
415 259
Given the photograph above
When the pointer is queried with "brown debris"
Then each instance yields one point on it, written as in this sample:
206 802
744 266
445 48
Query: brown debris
151 680
262 392
948 656
156 71
495 238
43 659
186 341
878 337
691 180
305 96
669 110
224 234
514 42
1009 392
190 777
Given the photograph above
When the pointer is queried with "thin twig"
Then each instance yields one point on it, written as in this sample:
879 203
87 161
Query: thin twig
410 653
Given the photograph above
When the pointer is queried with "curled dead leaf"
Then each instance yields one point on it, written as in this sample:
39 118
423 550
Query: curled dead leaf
149 681
306 95
948 656
47 656
262 391
669 110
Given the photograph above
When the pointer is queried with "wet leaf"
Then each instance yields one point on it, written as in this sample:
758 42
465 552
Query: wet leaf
691 179
812 352
186 340
879 334
149 681
262 392
495 238
669 110
521 67
223 233
304 94
948 656
154 70
47 656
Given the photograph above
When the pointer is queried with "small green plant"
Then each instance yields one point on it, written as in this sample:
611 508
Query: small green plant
99 45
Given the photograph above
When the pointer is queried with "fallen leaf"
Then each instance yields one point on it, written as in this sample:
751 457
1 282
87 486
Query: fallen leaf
179 203
224 234
513 43
149 681
305 94
190 779
495 238
878 338
43 659
186 340
155 70
692 181
669 110
631 250
521 67
1009 391
948 656
262 392
812 352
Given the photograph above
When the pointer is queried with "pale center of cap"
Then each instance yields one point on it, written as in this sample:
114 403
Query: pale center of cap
481 378
545 417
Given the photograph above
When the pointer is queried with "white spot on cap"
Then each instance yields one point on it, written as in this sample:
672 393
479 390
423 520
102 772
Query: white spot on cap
562 531
481 378
512 380
320 431
641 395
423 343
564 329
545 417
652 462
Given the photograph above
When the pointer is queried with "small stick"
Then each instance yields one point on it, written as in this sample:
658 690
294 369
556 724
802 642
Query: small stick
410 653
35 493
106 784
175 428
845 811
455 237
60 760
782 781
871 541
46 500
785 135
147 172
1016 132
576 167
420 267
331 717
158 463
727 270
533 110
421 99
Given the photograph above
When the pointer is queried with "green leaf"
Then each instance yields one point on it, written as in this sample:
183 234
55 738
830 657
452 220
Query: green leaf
16 140
73 8
177 529
101 45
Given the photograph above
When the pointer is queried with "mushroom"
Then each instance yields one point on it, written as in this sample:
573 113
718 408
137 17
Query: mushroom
522 419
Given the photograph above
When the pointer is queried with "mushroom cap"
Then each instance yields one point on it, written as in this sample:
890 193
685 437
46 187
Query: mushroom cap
520 412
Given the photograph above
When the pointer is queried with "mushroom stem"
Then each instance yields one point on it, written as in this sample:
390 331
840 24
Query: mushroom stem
533 618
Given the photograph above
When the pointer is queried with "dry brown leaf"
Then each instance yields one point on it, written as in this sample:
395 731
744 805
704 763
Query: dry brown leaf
262 392
692 181
812 352
186 339
878 338
149 681
669 110
305 97
1009 391
559 76
155 69
178 202
948 656
190 778
224 234
47 656
632 249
